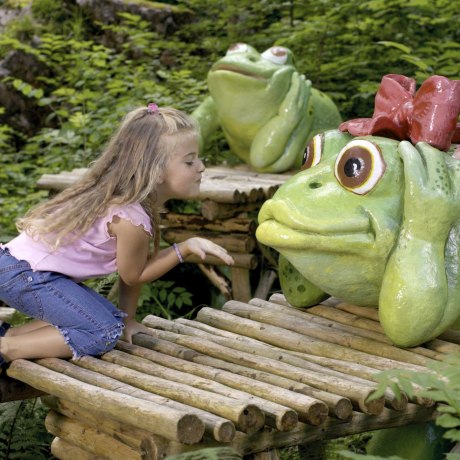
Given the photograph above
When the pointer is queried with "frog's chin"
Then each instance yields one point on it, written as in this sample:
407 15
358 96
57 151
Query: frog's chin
274 234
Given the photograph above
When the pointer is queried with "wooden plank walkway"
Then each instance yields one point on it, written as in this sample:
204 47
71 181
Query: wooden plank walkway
253 376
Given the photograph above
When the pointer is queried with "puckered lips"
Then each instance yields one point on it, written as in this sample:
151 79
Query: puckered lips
282 227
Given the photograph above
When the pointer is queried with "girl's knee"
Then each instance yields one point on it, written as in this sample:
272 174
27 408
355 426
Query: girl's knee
94 343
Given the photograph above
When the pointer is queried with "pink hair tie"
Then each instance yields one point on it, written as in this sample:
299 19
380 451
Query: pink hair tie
152 108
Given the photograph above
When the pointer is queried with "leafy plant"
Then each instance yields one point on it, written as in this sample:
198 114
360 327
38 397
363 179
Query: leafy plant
440 383
165 299
22 432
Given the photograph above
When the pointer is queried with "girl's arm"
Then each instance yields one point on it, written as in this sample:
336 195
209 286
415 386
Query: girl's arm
133 261
128 297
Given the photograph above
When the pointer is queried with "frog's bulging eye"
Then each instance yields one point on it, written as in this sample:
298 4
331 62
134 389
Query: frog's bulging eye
276 54
312 154
238 48
359 166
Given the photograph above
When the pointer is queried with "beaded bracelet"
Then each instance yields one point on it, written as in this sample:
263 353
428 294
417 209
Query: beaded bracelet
179 255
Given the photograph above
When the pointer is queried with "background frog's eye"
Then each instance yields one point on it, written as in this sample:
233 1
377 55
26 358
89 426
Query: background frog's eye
276 54
238 48
359 166
312 154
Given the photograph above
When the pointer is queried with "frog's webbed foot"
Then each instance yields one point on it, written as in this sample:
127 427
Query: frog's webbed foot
431 201
299 292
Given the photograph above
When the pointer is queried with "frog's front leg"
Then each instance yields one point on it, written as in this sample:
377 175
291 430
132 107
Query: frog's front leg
417 298
279 144
299 292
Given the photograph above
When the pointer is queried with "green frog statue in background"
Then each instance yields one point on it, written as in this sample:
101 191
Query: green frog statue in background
374 216
267 110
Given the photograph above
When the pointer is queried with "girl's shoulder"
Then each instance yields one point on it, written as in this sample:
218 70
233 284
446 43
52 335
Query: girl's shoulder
133 212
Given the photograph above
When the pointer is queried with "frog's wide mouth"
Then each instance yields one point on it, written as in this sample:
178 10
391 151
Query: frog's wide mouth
281 228
238 70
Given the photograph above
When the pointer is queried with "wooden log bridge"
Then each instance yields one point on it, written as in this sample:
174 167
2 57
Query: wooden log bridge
255 376
229 201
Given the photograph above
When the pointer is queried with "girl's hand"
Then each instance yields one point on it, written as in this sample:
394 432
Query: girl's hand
132 327
201 247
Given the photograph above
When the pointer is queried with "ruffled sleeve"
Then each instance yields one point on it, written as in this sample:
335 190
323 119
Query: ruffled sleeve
134 213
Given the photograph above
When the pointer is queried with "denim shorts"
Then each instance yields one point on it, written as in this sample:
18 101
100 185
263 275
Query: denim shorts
89 323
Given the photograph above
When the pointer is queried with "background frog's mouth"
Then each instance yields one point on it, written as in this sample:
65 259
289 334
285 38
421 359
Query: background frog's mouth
229 68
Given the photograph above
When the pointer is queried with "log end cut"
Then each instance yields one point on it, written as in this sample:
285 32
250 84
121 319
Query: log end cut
190 429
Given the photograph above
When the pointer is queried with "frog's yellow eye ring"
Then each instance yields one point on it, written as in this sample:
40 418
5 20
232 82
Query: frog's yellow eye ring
359 166
238 48
276 54
313 152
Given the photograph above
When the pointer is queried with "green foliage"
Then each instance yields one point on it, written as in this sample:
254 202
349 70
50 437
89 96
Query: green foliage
440 383
211 453
164 299
161 298
22 432
345 48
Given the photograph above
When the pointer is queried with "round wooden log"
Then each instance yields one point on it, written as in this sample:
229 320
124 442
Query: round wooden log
442 347
187 429
356 393
246 344
88 438
191 374
218 280
310 410
290 340
14 390
340 369
222 193
265 284
212 210
232 242
451 336
65 451
339 407
318 332
371 329
333 429
55 182
133 437
368 373
220 429
248 261
369 313
247 417
197 222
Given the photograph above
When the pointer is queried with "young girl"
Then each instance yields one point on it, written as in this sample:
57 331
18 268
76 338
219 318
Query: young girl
101 225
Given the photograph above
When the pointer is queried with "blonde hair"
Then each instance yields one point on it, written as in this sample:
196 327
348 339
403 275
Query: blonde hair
126 172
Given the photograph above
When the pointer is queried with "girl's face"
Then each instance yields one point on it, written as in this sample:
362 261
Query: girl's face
182 176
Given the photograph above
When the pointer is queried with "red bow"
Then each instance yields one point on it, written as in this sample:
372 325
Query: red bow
428 115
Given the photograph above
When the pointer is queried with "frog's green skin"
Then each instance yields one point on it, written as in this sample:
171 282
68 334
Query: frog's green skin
267 111
395 247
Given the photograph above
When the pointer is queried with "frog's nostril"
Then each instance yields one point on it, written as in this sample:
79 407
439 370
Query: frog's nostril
314 185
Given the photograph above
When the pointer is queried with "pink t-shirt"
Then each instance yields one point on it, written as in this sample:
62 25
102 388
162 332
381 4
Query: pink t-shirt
92 255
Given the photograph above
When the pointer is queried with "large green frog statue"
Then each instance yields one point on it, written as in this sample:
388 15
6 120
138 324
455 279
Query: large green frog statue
267 110
375 221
